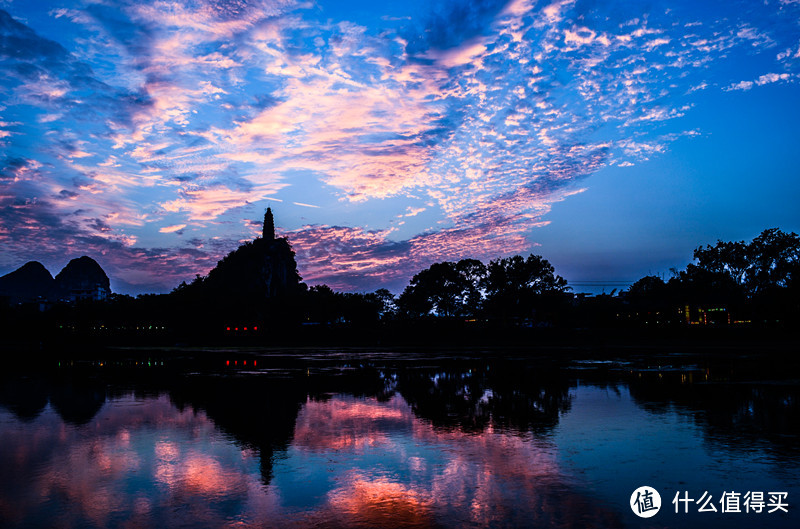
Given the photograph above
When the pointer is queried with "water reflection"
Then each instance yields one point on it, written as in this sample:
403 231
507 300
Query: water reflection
134 460
387 466
467 443
515 396
747 416
24 396
76 400
257 413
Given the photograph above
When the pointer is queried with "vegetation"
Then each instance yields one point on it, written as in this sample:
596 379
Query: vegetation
756 282
751 284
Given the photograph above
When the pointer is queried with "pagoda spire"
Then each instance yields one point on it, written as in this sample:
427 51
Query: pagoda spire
269 226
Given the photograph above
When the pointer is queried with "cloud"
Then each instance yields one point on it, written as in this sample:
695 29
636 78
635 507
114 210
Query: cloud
165 114
762 80
413 212
206 203
172 229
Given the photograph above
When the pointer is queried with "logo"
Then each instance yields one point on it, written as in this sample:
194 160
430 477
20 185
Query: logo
645 502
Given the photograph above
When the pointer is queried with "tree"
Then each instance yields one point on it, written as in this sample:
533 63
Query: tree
648 287
755 281
515 286
774 256
731 258
386 303
698 285
446 289
321 305
473 274
766 262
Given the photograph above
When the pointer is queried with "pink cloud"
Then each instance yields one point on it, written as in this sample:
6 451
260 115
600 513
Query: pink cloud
172 229
207 203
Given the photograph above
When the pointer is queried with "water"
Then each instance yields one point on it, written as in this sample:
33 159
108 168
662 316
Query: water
393 440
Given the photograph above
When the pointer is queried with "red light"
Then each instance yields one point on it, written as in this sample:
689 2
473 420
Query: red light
254 363
245 362
236 329
255 328
245 328
236 362
227 362
228 328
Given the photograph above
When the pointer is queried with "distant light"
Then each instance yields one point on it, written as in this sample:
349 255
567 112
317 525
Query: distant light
228 328
255 328
227 362
245 362
254 363
245 328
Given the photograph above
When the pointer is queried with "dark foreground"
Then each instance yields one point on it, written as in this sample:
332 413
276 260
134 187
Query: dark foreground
402 437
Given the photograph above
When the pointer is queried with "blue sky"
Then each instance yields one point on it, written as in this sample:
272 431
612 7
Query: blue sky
612 137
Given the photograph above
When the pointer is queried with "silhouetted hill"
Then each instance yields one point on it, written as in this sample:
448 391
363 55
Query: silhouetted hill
82 279
254 286
266 268
263 268
27 283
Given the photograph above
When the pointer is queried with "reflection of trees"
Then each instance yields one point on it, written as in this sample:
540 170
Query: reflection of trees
24 397
740 415
259 413
506 395
76 399
495 479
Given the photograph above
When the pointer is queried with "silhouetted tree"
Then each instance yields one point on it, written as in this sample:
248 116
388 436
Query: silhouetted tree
387 306
516 287
764 263
698 285
320 304
774 257
751 280
473 273
730 258
447 289
323 305
648 287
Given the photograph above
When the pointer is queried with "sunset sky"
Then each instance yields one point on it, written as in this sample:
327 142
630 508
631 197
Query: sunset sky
611 137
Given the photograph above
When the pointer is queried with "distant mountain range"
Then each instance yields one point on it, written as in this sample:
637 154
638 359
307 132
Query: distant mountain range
81 279
256 270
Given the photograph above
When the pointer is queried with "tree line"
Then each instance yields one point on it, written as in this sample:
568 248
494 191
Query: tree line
756 282
752 283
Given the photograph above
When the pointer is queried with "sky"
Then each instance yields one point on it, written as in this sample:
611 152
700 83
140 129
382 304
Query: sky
610 137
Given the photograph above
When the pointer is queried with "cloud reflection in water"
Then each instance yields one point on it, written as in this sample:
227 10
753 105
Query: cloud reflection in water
390 468
352 462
